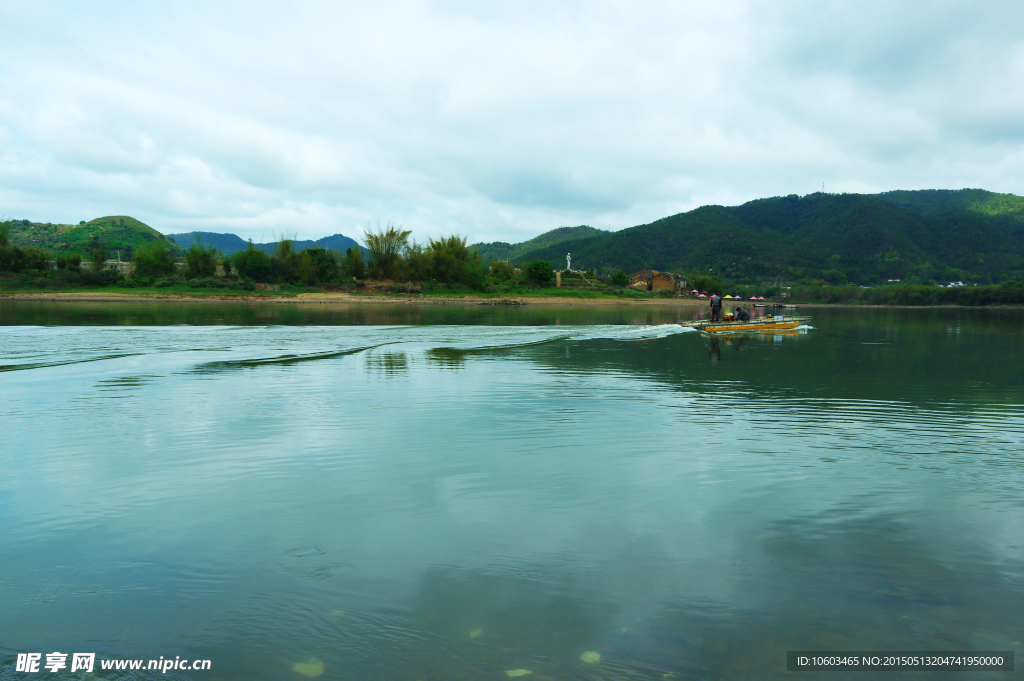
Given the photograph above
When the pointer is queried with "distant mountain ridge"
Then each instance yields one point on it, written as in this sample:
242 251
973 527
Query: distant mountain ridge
231 243
124 234
928 235
500 250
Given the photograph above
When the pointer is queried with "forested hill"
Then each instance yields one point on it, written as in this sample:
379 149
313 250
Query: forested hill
112 233
940 202
968 235
500 250
125 234
231 243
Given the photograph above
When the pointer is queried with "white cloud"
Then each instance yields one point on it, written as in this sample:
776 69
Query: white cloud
496 122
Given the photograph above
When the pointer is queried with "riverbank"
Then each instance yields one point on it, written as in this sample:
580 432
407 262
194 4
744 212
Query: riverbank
342 298
328 297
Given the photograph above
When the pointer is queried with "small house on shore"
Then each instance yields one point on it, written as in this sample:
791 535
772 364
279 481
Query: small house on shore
654 280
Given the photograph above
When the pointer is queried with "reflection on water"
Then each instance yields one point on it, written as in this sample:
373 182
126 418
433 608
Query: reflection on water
447 358
715 350
456 499
166 313
387 363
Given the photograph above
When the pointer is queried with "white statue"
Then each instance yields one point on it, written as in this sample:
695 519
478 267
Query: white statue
568 261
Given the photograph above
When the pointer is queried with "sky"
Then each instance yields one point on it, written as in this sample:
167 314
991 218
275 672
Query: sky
494 121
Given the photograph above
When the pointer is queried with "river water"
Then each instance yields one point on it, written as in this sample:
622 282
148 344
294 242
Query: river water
455 492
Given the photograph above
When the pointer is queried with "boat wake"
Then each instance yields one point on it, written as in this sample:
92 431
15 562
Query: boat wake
218 349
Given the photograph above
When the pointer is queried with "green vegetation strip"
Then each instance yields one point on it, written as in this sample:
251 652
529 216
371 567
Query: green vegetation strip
788 249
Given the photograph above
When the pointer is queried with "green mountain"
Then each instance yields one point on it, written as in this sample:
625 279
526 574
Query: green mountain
499 250
114 233
969 235
941 202
230 243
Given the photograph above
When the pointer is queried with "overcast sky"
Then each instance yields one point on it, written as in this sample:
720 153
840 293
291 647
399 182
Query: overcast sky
496 121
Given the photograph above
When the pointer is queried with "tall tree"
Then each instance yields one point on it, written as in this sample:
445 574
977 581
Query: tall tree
385 247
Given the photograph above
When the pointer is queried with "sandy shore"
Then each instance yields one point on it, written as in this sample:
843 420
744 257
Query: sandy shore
341 298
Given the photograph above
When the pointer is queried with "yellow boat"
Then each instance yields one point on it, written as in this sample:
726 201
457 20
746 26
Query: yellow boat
770 324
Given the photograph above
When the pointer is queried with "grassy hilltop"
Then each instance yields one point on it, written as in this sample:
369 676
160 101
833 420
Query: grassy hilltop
932 235
114 232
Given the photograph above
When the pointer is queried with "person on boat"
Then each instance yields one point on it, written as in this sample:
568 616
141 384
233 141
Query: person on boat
716 308
741 315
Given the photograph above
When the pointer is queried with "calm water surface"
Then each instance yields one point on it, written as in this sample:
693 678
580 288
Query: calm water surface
452 492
